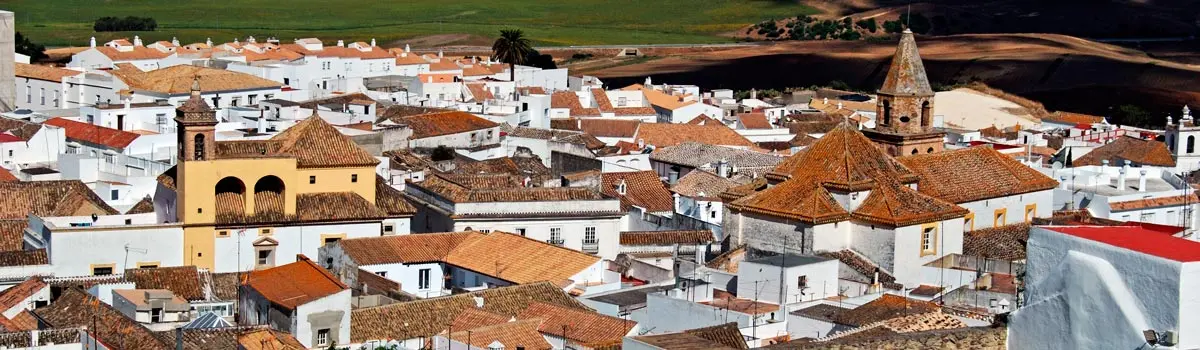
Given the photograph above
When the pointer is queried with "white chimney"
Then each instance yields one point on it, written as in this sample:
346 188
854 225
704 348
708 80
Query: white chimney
441 54
404 54
235 41
621 187
723 168
137 41
262 122
1142 181
175 41
641 144
1121 178
341 43
753 94
407 49
825 101
579 124
208 41
839 105
93 42
126 99
250 40
372 42
430 78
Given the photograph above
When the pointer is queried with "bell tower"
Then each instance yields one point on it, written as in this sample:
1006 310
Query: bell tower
195 125
904 111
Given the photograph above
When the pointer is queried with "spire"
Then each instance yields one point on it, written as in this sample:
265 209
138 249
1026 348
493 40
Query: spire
906 76
196 86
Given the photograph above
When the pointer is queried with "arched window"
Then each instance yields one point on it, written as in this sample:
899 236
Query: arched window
268 195
914 151
926 114
887 112
1191 146
199 147
930 150
230 196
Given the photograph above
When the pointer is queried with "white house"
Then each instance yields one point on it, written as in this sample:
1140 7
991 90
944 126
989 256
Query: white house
300 298
120 51
41 87
24 143
1144 194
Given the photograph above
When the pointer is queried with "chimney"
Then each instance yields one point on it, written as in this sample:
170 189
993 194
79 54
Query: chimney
126 99
175 41
407 49
341 43
1142 181
208 41
250 40
441 54
1121 177
137 41
92 42
579 124
430 79
673 177
753 94
262 122
179 338
527 182
372 42
723 168
641 144
235 41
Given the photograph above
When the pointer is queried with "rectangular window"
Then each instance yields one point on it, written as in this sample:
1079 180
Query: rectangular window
10 153
555 236
223 233
589 235
1030 212
148 265
999 217
353 177
521 231
264 232
91 119
423 279
234 101
621 101
802 282
389 229
156 315
160 119
969 222
323 337
42 95
102 270
1147 217
312 179
928 237
115 194
264 257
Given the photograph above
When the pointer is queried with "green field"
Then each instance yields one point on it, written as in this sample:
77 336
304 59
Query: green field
570 22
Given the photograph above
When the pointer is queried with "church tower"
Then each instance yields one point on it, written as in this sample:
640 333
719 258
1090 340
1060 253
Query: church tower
195 125
904 112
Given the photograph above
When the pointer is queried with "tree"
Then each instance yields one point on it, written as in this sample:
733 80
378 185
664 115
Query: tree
1133 115
24 46
514 48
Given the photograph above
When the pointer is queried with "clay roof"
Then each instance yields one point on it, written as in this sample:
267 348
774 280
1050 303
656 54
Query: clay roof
666 237
444 65
50 198
7 176
702 184
225 285
634 111
444 123
402 248
704 120
40 72
1073 118
427 317
975 174
19 128
864 267
336 206
76 308
16 295
94 134
845 158
167 178
898 205
1139 151
1154 202
472 318
268 339
294 284
796 200
720 337
643 189
138 53
518 259
756 120
523 333
602 101
463 189
391 200
315 143
664 100
697 154
479 92
1002 242
729 260
178 79
184 281
665 134
567 136
906 75
887 307
146 205
599 127
584 326
745 306
24 258
12 234
1140 239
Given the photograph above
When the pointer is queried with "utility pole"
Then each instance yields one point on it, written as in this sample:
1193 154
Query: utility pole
754 314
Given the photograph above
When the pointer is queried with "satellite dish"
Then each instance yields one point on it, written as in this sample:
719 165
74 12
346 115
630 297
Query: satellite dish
1056 165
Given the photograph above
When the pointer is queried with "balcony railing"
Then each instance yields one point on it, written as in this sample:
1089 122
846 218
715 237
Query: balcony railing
555 241
591 247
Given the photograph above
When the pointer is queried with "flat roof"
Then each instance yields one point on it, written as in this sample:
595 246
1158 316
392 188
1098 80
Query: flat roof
788 260
1139 239
633 296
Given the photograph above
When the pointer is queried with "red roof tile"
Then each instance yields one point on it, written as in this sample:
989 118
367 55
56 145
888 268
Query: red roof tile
664 134
1139 151
754 121
1138 239
643 189
583 326
444 123
94 134
601 127
294 284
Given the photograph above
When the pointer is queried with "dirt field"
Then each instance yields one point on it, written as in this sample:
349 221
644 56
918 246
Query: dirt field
1063 72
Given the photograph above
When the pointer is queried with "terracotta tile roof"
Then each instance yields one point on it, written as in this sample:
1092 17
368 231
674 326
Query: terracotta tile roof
906 76
755 121
599 127
40 72
634 111
568 99
864 267
846 158
50 198
745 306
697 155
184 281
1154 202
802 140
796 200
294 284
178 79
518 167
315 143
7 176
926 290
15 295
887 307
705 120
146 205
567 136
94 134
479 92
666 237
405 60
814 123
225 285
583 326
721 337
138 53
664 134
25 321
75 308
531 90
1002 242
644 189
336 206
602 101
19 128
427 317
1061 117
472 318
167 178
444 65
24 258
523 333
476 71
268 339
391 200
1139 151
898 205
402 248
371 283
460 190
664 100
444 123
518 259
701 184
729 260
12 234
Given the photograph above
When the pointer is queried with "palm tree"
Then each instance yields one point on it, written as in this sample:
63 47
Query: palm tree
514 48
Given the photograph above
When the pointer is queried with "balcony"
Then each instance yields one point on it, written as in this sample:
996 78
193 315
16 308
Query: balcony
557 242
591 247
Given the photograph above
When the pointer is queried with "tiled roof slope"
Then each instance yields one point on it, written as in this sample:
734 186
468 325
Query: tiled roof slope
598 127
798 200
315 143
24 258
666 237
568 136
268 339
897 205
146 205
584 326
178 79
12 234
405 249
511 335
428 317
702 185
471 318
184 281
1002 242
887 307
15 295
722 337
695 154
391 200
845 158
19 128
864 267
974 174
444 123
40 72
50 198
94 134
518 259
138 53
75 308
1139 151
906 76
294 284
665 134
643 189
1154 202
1073 118
459 190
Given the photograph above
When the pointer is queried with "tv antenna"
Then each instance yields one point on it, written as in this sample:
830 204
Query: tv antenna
125 265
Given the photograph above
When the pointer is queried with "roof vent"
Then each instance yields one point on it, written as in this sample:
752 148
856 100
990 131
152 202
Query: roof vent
478 301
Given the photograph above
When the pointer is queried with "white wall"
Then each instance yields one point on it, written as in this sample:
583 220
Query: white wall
38 95
822 281
339 301
292 240
408 274
608 230
73 250
43 147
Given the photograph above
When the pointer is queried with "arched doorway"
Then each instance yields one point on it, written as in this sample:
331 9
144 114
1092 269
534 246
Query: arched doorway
268 195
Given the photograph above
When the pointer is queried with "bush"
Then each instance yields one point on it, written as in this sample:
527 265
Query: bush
840 85
867 24
581 56
36 52
920 24
131 23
